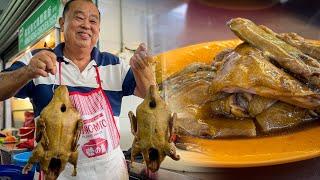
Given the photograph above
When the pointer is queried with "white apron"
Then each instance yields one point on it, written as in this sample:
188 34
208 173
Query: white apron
100 156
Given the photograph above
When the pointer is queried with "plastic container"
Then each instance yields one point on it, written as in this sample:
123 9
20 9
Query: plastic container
26 132
14 172
21 159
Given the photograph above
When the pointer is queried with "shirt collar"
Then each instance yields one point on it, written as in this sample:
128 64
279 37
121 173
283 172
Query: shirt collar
66 60
58 50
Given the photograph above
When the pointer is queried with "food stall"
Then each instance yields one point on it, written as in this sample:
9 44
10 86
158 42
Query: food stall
39 30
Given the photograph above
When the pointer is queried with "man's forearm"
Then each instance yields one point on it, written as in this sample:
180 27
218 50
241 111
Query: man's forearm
11 82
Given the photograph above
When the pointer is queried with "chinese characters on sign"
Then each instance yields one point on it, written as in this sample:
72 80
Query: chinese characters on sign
41 21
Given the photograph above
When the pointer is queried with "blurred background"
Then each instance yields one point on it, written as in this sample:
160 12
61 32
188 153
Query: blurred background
168 24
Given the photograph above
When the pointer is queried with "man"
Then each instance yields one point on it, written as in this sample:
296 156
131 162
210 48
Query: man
97 81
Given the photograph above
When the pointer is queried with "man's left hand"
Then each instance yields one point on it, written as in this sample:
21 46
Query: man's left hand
141 58
140 63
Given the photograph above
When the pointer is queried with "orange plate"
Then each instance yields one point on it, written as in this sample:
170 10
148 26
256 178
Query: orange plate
250 152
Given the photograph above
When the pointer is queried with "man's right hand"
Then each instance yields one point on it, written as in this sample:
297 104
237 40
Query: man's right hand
41 64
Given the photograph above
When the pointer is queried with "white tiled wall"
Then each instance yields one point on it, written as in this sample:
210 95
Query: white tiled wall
7 105
135 19
110 26
154 22
129 103
1 102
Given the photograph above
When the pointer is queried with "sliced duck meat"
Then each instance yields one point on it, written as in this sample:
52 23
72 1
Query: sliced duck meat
188 124
223 127
218 59
193 71
251 72
258 104
234 105
286 55
281 116
190 87
308 47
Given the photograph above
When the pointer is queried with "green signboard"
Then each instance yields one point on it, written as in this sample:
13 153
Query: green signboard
41 21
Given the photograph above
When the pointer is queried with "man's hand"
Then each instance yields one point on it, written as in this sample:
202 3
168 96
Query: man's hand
41 64
140 63
141 58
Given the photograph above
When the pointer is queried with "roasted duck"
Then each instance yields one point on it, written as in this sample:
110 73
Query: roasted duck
152 128
57 134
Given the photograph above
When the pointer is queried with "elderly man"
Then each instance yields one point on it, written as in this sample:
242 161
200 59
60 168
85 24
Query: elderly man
97 81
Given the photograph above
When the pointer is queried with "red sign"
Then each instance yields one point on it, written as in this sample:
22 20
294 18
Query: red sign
95 147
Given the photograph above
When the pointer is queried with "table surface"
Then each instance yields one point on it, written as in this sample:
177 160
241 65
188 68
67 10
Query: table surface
11 148
302 170
7 151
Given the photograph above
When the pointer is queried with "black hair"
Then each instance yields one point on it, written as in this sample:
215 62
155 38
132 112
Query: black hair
68 4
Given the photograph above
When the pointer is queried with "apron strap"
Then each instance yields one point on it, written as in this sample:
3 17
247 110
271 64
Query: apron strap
60 74
98 77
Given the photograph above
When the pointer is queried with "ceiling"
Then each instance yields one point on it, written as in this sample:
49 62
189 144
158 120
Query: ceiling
4 5
12 14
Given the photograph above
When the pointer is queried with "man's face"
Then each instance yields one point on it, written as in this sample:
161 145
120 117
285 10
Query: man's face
81 25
